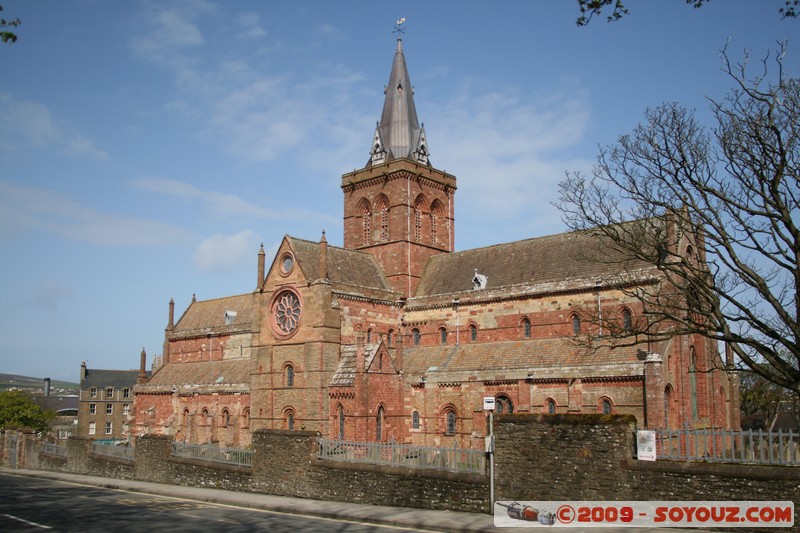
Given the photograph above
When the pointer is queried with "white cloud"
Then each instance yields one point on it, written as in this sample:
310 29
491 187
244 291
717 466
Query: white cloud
28 125
506 148
48 294
249 26
222 254
223 204
24 209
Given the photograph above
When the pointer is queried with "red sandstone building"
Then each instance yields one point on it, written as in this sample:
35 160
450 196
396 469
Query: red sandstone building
396 336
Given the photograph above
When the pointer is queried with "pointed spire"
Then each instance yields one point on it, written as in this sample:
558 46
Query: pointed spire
398 133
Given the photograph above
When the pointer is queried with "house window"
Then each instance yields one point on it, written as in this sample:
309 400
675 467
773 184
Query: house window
93 393
109 408
443 335
379 424
415 420
205 417
289 419
289 376
550 406
503 405
526 328
92 428
341 423
415 336
450 422
126 393
473 332
605 406
226 418
126 409
109 392
576 325
92 408
627 320
109 428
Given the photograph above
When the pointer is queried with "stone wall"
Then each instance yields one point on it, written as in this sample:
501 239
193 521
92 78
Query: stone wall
538 458
591 457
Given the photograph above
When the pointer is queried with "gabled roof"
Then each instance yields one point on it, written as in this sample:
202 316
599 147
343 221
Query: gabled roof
345 374
102 379
349 271
555 259
226 374
535 358
208 316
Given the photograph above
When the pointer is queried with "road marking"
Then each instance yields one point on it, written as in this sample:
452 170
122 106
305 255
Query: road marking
12 517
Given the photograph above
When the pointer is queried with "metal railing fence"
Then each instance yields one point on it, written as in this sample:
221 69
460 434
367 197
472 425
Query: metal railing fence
729 446
469 461
214 454
112 450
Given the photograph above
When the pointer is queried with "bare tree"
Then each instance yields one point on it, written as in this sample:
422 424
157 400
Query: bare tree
591 8
714 215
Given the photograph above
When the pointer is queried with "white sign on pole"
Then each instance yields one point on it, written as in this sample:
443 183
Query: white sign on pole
488 403
646 445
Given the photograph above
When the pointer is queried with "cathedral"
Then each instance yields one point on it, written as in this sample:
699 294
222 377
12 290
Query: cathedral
396 336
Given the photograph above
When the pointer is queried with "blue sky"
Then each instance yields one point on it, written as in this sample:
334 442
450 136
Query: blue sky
147 148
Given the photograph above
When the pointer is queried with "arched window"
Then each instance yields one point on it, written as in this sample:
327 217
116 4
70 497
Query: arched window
369 335
382 208
379 424
605 406
185 417
366 214
668 406
206 418
289 418
627 320
226 418
415 336
443 335
450 422
526 328
390 338
246 418
693 380
550 406
576 325
380 362
473 332
289 376
433 227
437 214
415 420
417 222
503 405
341 422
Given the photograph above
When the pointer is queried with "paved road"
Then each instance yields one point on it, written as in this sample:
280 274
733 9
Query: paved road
41 505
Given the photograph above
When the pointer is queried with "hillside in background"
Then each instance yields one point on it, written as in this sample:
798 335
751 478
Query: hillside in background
36 385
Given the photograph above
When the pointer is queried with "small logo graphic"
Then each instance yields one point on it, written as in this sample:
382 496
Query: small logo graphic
528 513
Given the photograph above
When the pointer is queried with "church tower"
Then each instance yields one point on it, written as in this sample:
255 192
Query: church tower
399 208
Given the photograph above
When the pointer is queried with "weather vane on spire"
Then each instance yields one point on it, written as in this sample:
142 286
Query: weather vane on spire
400 26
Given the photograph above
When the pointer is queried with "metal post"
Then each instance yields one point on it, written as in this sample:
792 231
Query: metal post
491 462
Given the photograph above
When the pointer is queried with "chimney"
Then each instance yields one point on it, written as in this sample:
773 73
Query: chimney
261 256
323 257
47 386
171 323
142 377
83 371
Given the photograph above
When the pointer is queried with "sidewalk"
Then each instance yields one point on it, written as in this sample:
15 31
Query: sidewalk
446 521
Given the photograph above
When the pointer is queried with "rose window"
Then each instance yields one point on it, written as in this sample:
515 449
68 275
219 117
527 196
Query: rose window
286 312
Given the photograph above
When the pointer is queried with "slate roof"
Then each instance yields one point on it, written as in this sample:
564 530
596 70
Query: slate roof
348 270
399 126
208 316
221 374
101 379
345 374
554 259
538 358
